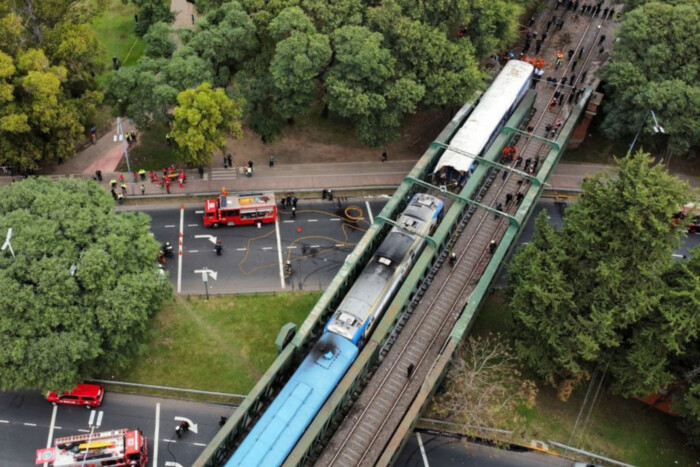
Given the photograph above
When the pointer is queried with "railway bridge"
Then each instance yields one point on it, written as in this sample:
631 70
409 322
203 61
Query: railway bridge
374 408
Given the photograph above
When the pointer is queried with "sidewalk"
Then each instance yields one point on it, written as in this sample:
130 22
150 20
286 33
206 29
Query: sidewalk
281 177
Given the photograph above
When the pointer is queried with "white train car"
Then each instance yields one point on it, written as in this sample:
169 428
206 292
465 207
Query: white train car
486 120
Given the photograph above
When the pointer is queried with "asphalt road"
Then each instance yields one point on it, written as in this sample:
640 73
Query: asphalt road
316 241
438 451
26 422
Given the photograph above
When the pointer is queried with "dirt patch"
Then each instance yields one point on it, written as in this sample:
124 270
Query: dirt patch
301 144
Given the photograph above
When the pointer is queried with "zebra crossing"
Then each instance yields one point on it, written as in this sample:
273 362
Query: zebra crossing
224 174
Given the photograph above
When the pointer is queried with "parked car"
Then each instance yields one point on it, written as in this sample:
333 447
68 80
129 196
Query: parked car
85 394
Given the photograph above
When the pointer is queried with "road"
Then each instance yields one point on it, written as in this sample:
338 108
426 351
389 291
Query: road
251 261
440 451
26 420
316 241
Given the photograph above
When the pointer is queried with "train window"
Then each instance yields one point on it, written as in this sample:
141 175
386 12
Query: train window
385 261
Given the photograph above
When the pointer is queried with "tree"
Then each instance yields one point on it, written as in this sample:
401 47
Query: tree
142 93
159 41
150 13
48 92
226 38
298 64
361 85
447 69
484 386
595 291
203 118
656 67
78 296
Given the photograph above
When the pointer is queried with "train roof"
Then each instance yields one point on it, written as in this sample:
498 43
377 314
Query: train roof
285 421
480 125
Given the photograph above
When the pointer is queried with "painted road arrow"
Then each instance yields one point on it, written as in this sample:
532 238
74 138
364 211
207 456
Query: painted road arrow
210 237
205 271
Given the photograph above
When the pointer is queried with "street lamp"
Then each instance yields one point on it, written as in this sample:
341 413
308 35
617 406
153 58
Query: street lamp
7 242
120 132
657 129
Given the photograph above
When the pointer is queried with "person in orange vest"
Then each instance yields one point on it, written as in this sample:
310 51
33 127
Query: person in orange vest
224 191
506 151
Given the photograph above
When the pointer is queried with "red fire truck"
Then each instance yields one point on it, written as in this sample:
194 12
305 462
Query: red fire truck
242 209
691 214
117 448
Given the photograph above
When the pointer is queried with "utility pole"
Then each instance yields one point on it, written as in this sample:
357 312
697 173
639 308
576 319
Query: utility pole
120 132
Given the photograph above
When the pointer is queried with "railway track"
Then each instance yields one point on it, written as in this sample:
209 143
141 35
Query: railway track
370 424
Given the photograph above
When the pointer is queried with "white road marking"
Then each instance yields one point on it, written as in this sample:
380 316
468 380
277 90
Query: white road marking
29 424
193 251
7 421
155 435
369 211
51 428
267 248
279 251
312 220
83 431
422 450
179 254
315 246
199 444
167 441
291 247
241 249
340 244
211 238
169 226
192 225
58 427
199 212
287 222
335 220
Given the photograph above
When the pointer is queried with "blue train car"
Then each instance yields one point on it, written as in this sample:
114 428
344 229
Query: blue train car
278 430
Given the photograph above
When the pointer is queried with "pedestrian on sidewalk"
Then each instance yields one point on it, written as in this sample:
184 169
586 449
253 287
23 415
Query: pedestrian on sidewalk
143 189
225 162
271 161
113 183
98 174
167 185
201 171
114 194
120 198
192 19
142 174
294 212
384 156
229 158
123 185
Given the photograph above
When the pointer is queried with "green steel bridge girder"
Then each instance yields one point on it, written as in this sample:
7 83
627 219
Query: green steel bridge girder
460 197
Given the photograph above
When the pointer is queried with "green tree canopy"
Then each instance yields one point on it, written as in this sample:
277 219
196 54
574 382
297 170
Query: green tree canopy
48 90
203 118
77 298
150 13
159 41
362 85
597 289
655 65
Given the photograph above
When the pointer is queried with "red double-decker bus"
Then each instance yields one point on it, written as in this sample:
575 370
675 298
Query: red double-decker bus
242 209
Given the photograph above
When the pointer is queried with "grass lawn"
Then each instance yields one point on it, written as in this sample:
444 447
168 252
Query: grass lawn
152 152
623 429
115 32
224 344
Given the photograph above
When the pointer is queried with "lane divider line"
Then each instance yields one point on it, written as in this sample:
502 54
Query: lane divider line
279 252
